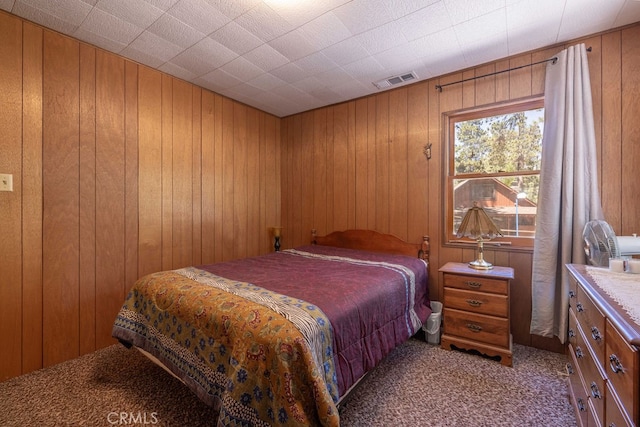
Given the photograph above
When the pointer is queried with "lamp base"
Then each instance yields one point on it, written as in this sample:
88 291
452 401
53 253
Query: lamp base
480 264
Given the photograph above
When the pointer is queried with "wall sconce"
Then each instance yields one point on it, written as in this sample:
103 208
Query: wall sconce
277 231
476 224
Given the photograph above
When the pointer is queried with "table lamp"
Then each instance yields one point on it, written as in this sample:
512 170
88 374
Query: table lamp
277 231
476 224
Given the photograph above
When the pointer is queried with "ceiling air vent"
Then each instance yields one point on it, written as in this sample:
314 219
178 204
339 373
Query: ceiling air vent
394 80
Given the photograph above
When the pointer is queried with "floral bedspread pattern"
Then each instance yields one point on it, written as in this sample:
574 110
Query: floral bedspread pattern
238 346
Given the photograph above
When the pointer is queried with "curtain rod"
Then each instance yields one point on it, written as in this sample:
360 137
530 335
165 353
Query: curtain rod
554 59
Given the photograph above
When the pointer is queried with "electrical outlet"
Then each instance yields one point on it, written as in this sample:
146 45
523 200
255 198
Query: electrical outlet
6 182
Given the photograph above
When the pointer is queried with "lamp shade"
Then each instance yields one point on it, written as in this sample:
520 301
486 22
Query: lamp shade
476 223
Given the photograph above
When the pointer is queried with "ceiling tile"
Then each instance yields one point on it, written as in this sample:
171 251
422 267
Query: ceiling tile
579 17
151 49
266 81
382 38
400 8
43 18
97 40
140 14
529 24
628 13
177 71
315 63
362 15
162 4
346 51
110 27
70 11
200 15
491 26
264 23
301 12
290 73
6 4
325 31
465 10
220 79
425 21
204 56
367 68
176 31
234 8
483 50
292 45
242 69
236 38
266 57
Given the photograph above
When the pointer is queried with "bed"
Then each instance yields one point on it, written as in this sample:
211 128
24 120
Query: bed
284 337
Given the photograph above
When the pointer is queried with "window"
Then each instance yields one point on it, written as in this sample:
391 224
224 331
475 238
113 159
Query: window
494 157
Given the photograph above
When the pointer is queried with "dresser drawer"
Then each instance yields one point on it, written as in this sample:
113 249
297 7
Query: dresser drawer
477 302
591 320
477 327
622 367
480 284
572 333
592 374
578 393
615 413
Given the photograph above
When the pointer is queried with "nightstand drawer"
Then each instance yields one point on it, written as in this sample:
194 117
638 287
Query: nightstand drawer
477 327
474 283
477 302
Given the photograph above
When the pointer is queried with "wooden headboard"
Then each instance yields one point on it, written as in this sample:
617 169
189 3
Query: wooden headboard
370 240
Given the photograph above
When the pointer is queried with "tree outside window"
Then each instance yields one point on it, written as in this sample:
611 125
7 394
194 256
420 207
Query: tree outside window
494 159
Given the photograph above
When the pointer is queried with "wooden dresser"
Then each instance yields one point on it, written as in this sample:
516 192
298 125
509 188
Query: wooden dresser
604 361
476 310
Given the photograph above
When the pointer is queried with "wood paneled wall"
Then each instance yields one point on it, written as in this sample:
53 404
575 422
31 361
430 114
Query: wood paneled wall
118 171
360 164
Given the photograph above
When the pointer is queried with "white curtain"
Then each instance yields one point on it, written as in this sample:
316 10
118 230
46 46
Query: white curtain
568 196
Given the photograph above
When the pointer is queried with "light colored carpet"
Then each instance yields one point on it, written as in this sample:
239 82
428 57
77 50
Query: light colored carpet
417 385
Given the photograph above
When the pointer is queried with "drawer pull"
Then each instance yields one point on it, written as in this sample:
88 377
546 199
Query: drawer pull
572 294
579 353
579 308
595 392
475 285
581 406
473 327
571 333
615 364
569 369
595 334
474 302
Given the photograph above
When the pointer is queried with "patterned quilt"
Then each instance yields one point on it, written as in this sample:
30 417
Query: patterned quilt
239 344
277 339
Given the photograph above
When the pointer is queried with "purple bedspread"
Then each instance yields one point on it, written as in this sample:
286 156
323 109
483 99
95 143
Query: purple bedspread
368 303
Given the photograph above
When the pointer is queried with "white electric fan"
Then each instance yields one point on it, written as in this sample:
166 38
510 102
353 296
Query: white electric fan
600 243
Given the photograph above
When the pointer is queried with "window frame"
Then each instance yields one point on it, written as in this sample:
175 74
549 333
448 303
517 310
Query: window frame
449 121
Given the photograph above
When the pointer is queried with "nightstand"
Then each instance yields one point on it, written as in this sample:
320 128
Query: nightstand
476 310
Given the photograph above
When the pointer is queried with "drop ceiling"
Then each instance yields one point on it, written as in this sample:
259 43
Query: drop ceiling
285 57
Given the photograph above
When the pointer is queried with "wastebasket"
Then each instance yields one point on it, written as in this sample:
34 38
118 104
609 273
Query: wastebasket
432 327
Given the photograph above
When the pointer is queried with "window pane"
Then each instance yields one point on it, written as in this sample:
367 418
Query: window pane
503 143
510 201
